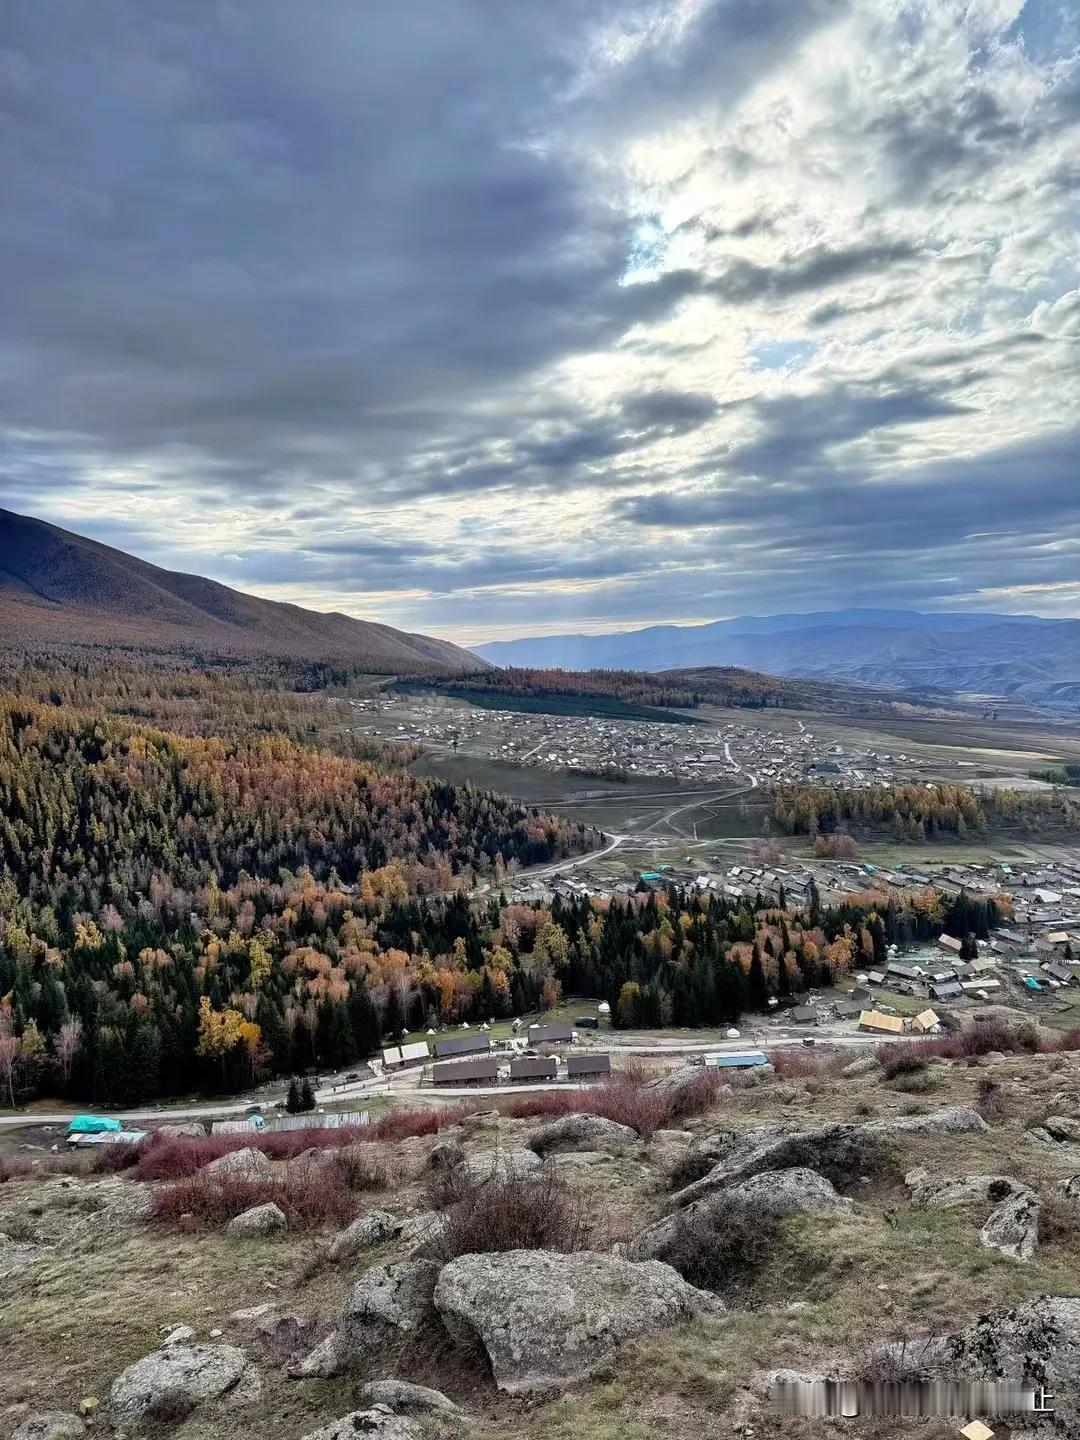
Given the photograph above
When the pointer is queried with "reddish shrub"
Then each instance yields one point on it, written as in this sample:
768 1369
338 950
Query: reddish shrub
629 1098
978 1039
310 1193
533 1212
172 1157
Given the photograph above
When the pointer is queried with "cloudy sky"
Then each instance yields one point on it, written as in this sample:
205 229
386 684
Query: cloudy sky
493 319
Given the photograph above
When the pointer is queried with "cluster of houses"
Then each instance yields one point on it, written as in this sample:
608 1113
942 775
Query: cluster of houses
471 1058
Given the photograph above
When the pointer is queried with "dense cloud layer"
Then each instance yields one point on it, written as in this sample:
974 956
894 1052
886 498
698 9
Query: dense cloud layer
489 319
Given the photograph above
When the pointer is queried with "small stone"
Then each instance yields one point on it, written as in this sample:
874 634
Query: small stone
178 1336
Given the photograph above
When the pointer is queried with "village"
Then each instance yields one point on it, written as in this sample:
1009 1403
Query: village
708 751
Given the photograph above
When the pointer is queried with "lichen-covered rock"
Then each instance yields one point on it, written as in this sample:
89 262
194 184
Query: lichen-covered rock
268 1219
581 1132
499 1164
379 1421
953 1120
401 1395
373 1228
50 1425
945 1192
864 1067
169 1383
388 1303
247 1164
774 1192
1037 1343
548 1320
771 1147
423 1232
1062 1128
1013 1228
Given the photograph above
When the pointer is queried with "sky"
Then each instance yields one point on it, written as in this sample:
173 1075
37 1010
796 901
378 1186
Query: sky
491 319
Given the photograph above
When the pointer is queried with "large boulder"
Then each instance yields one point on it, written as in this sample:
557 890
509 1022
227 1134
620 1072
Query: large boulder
389 1303
1013 1228
268 1219
771 1147
864 1067
499 1165
373 1228
1062 1128
169 1383
774 1192
548 1320
951 1192
247 1164
1037 1343
401 1395
379 1421
953 1120
581 1132
51 1425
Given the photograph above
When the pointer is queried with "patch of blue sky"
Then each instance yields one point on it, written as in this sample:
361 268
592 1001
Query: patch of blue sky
781 354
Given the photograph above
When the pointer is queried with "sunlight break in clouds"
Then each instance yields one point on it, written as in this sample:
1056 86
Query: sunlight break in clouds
557 319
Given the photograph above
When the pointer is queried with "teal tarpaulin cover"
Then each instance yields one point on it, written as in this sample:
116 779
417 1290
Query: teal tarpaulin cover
92 1125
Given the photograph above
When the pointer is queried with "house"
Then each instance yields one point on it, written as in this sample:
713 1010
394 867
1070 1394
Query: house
462 1045
587 1022
876 977
466 1072
848 1009
925 1021
534 1067
886 1024
805 1015
736 1059
949 943
1057 937
910 974
1061 973
946 990
860 993
397 1055
587 1067
556 1033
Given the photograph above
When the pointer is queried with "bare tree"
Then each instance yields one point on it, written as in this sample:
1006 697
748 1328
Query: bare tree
68 1039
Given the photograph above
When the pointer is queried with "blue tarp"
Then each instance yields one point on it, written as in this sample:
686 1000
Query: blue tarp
92 1125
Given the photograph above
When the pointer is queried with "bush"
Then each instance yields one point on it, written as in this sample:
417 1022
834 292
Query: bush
311 1194
172 1157
722 1246
532 1212
1059 1218
630 1098
973 1040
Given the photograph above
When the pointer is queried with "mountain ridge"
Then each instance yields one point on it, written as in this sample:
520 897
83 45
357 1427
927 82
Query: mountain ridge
58 587
1028 657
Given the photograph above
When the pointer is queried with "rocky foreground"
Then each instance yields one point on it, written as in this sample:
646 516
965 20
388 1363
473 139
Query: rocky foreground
533 1276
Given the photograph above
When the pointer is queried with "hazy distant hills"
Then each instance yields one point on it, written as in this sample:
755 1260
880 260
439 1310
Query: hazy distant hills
1022 656
57 587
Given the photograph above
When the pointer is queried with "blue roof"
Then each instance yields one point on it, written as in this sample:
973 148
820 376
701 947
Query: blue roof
737 1058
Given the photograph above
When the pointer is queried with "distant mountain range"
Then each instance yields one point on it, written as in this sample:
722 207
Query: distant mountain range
58 588
1024 657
